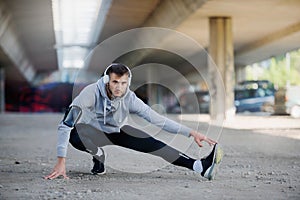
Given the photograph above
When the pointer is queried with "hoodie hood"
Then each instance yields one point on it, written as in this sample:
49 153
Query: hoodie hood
115 107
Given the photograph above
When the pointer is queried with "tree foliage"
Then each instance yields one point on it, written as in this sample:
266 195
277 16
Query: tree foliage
277 70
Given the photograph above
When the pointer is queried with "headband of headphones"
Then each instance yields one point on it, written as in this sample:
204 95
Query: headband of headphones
106 76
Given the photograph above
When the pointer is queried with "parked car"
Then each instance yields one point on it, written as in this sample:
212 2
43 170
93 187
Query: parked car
252 96
287 101
254 100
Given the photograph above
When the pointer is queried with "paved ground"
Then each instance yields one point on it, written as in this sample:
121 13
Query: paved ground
261 161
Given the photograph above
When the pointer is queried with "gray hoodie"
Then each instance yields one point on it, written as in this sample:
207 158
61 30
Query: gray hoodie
109 115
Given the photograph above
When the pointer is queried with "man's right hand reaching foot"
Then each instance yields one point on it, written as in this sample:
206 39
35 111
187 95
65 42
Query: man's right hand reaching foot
59 169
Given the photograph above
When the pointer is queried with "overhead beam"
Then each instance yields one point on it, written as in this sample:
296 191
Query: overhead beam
269 39
169 14
11 46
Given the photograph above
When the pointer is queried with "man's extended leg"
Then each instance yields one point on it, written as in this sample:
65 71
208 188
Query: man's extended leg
138 140
89 139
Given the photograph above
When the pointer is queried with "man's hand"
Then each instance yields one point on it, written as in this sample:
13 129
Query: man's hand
199 137
59 169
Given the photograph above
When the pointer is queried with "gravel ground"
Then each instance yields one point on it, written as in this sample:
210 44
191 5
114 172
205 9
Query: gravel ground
258 164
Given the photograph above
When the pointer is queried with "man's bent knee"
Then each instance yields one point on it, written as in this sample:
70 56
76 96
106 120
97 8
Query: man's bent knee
76 142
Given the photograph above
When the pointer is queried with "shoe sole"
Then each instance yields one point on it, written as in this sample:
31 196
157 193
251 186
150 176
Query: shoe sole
212 170
99 173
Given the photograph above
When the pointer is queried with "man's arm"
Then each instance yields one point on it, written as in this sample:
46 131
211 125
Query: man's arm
65 127
138 107
85 99
144 111
67 124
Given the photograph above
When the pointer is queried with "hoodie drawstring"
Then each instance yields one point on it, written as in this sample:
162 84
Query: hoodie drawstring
104 111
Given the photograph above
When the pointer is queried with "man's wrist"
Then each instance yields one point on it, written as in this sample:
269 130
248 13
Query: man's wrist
61 159
192 133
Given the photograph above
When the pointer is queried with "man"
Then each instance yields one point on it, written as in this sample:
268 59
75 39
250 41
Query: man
98 115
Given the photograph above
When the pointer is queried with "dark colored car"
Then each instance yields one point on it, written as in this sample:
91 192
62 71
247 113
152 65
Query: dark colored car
253 100
254 96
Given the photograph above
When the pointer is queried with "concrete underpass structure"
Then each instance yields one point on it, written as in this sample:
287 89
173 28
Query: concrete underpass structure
232 34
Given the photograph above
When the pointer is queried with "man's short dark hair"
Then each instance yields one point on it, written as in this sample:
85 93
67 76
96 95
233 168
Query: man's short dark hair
118 69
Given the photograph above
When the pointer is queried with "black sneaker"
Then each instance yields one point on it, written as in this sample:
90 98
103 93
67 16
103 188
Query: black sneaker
98 167
210 163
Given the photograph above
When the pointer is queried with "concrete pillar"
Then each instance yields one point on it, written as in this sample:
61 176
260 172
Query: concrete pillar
221 52
152 92
2 90
240 72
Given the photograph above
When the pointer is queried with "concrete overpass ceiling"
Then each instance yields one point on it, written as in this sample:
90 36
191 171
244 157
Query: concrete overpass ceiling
124 15
34 27
269 50
253 21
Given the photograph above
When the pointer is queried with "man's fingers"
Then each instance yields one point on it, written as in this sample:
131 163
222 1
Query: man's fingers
65 176
210 141
200 137
198 141
55 174
50 175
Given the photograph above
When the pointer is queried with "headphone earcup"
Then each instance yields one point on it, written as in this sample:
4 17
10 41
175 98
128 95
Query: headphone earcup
129 81
105 79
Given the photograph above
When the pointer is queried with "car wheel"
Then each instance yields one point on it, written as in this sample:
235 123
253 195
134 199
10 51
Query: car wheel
295 111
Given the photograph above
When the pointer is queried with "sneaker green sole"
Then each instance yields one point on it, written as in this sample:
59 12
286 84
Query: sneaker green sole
212 171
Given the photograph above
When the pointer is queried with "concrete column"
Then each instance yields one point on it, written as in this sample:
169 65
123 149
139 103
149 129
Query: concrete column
221 52
152 92
2 90
240 72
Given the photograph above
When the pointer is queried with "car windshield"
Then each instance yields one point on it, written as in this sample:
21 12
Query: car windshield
245 94
252 93
253 89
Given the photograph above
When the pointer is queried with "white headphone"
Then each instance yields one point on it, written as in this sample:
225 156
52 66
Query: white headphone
106 76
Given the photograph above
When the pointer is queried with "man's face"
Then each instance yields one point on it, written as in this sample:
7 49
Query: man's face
118 84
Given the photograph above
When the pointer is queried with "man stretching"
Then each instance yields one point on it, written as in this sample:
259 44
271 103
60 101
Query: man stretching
98 115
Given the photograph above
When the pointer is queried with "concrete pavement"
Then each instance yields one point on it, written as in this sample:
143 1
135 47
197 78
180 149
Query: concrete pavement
260 162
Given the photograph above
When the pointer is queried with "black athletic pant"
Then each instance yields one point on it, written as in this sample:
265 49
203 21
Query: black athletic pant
87 138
